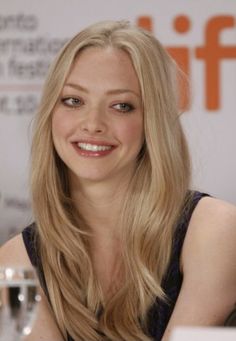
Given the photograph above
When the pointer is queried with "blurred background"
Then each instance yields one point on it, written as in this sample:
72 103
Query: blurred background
200 35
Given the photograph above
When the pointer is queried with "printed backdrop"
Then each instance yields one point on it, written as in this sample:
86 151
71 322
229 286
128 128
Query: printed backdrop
200 35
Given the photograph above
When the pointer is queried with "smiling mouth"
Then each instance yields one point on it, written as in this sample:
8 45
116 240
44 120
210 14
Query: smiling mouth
93 147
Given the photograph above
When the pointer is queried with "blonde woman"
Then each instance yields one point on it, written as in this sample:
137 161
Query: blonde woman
123 249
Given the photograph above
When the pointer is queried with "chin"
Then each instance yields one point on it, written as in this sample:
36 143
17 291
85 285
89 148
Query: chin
90 177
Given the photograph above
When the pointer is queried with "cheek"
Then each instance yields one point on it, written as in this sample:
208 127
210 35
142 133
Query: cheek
61 128
133 133
61 125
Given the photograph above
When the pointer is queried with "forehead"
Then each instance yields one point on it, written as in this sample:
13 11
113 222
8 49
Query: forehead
95 64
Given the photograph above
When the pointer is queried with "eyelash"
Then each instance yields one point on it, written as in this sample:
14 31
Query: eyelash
129 107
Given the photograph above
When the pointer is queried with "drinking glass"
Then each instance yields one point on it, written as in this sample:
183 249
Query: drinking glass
19 297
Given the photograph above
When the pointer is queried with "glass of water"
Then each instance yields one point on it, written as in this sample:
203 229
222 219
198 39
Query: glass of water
19 296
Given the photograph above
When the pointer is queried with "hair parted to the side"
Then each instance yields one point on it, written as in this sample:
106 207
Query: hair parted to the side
151 208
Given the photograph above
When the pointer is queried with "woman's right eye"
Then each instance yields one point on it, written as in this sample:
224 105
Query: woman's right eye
71 102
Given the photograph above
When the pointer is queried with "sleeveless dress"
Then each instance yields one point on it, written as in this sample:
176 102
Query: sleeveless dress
160 312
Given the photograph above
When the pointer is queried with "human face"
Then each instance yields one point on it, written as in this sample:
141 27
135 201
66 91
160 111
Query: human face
97 124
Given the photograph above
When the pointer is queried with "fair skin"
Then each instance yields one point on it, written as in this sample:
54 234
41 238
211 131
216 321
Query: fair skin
99 107
98 182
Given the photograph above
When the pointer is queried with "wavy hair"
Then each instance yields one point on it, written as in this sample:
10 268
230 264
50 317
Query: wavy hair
151 208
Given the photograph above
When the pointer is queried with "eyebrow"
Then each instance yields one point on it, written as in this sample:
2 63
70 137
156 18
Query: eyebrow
109 92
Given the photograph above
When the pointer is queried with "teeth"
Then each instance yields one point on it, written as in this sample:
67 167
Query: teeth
93 147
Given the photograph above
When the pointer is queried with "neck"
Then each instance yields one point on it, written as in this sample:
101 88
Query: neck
100 204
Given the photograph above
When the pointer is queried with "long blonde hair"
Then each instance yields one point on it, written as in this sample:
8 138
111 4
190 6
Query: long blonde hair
151 208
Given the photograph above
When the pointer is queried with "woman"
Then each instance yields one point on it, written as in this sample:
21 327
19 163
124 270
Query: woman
123 249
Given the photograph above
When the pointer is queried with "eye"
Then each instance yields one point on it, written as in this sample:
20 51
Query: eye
71 102
123 107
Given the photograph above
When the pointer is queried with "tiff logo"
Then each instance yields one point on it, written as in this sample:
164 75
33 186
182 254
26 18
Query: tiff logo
211 53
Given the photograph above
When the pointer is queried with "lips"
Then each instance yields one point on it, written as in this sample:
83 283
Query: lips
93 149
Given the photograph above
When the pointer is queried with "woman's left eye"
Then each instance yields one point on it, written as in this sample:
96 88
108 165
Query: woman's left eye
123 107
71 102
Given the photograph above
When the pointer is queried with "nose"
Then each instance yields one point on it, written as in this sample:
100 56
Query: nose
94 122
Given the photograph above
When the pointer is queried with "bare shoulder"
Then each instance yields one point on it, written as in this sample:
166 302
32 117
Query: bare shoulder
211 209
212 220
209 252
208 264
13 253
212 228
